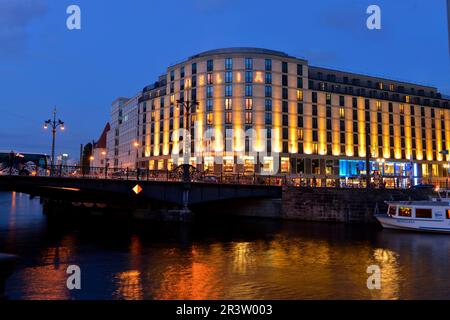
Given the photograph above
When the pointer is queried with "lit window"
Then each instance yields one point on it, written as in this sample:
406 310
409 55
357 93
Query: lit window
402 108
284 164
209 118
248 104
404 212
228 117
407 99
228 104
300 95
392 211
248 117
315 148
391 87
210 78
378 104
342 112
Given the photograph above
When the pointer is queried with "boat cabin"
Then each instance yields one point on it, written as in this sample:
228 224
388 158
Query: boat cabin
427 210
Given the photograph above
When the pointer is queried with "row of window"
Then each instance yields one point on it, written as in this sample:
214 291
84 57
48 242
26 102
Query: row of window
229 66
380 85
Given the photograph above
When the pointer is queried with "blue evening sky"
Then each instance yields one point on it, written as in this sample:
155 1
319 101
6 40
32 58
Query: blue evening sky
125 45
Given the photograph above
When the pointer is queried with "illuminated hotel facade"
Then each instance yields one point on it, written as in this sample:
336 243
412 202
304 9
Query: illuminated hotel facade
306 120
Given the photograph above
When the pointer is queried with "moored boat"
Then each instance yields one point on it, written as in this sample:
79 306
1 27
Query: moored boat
426 216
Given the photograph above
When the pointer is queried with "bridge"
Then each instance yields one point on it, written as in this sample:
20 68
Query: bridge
86 189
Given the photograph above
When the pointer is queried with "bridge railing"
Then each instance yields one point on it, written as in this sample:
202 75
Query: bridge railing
300 180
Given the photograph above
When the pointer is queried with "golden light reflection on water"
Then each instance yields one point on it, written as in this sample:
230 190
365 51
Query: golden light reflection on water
44 282
129 285
47 280
192 281
390 277
293 261
283 268
243 258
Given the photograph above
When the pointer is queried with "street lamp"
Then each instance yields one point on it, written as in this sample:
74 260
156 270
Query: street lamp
136 146
54 124
91 162
188 107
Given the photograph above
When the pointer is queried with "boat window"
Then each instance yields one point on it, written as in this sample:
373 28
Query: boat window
448 213
423 213
392 210
404 212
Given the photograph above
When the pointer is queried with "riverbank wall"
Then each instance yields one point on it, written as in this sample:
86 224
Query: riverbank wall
343 205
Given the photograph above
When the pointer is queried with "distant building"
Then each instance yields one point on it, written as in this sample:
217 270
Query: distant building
100 151
121 140
61 159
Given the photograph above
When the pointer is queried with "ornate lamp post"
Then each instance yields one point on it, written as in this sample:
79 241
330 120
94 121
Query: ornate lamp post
53 124
188 108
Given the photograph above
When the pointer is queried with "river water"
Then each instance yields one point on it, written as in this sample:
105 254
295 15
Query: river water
217 259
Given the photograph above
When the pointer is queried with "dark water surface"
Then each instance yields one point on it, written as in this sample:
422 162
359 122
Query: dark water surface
232 259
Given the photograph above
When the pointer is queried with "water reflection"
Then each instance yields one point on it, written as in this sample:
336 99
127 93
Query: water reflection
244 259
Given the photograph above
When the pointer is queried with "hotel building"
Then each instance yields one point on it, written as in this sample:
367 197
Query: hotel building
306 120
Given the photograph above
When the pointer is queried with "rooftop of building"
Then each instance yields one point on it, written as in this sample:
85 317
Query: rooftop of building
101 142
249 50
263 51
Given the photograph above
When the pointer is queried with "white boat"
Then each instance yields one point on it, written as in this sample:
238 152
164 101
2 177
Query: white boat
426 216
